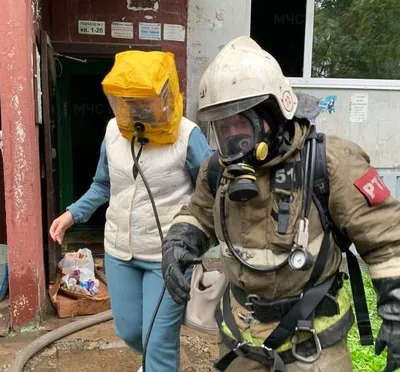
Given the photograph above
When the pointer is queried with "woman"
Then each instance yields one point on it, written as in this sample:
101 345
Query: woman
143 91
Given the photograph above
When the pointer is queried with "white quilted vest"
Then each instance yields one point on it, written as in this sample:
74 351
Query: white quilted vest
131 229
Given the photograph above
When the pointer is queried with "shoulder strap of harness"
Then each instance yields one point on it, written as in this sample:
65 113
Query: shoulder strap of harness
321 200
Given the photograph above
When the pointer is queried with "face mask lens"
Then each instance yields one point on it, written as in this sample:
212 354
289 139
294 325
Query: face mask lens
155 110
234 135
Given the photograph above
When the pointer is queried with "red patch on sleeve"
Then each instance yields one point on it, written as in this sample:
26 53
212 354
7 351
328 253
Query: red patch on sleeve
372 187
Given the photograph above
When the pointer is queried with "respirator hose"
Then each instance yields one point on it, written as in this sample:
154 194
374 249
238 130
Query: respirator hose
228 242
137 167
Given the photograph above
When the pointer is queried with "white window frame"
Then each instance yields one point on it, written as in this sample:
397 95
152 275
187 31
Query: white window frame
309 82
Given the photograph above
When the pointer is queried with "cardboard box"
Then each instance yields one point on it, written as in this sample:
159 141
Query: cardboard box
73 304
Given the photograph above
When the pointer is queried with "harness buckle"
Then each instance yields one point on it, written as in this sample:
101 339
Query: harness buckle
249 303
266 349
317 342
248 318
242 349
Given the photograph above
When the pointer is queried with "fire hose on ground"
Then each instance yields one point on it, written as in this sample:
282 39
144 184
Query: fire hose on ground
47 339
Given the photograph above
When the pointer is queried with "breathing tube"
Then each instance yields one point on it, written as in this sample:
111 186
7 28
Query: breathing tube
136 169
228 242
307 196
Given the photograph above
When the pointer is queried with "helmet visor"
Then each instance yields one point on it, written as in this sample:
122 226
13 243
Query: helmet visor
234 136
226 109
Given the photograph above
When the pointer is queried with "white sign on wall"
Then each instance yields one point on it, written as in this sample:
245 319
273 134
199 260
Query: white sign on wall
91 27
149 31
122 30
358 107
174 32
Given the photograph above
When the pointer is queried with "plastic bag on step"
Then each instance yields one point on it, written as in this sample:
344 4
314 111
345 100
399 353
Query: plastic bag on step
78 272
73 261
88 281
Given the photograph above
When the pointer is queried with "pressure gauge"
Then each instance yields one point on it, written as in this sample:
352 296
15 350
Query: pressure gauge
300 259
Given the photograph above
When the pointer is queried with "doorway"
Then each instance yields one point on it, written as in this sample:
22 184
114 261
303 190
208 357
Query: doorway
83 113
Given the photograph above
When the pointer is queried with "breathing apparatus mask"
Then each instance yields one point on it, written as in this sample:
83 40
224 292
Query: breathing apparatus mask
240 141
246 141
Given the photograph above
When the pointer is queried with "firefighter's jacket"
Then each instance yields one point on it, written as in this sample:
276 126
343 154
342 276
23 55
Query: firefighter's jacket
360 205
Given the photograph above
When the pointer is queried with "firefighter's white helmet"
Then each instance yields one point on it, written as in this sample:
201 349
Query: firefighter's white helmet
240 77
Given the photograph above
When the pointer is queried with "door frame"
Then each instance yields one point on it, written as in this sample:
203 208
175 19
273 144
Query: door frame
48 81
3 226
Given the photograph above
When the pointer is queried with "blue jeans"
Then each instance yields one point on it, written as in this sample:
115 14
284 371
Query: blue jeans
134 288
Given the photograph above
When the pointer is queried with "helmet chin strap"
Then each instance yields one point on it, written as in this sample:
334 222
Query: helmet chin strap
285 143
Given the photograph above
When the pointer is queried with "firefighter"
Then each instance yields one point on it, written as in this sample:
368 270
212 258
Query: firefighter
285 308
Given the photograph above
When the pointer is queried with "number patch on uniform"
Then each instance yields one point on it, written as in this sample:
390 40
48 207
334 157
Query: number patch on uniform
372 187
287 177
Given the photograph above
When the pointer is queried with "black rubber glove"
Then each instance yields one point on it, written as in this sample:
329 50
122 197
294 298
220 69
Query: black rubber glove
182 248
388 294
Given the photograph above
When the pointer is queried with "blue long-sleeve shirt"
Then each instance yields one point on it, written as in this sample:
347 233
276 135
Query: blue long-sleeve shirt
99 191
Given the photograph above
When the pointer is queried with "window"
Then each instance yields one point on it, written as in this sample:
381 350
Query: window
356 39
279 27
332 42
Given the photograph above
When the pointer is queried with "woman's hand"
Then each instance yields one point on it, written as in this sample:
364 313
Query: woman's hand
60 225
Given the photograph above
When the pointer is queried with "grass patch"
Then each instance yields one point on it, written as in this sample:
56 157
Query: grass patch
364 358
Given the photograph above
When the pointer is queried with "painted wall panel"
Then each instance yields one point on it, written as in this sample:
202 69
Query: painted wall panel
370 118
211 24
